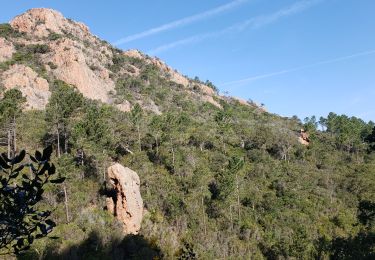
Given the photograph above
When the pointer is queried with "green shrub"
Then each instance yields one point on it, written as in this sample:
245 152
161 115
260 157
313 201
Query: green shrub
54 36
37 48
6 31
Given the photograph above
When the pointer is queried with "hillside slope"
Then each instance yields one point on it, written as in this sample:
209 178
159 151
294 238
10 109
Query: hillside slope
220 178
66 50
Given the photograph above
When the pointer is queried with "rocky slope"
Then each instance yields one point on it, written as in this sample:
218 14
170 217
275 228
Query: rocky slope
65 50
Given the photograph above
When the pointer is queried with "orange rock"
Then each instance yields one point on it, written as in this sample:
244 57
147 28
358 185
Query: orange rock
127 203
6 50
41 21
304 137
35 89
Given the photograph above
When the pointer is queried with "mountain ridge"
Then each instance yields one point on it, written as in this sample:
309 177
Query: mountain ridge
74 55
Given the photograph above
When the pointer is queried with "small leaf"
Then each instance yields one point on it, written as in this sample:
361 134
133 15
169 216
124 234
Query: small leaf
4 155
38 155
14 175
47 153
19 157
19 168
58 181
50 222
43 229
30 239
20 242
45 167
3 163
33 158
52 170
25 184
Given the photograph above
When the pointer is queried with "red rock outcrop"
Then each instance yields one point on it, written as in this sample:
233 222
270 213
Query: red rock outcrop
40 22
6 50
72 66
126 203
35 88
304 137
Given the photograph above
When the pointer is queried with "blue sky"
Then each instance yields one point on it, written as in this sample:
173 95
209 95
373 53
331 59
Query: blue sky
298 57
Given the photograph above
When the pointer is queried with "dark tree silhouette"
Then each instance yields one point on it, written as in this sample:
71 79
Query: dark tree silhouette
21 188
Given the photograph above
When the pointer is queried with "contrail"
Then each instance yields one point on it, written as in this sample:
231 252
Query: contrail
253 23
193 39
272 74
181 22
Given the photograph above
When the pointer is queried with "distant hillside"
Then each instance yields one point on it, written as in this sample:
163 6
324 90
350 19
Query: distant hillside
220 177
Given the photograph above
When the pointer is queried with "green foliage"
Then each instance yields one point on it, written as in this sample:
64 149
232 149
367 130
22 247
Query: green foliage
28 55
136 114
349 132
63 105
21 189
37 48
6 31
217 183
54 36
64 101
94 126
310 124
11 105
370 139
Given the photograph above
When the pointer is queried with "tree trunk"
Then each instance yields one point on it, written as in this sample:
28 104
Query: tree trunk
139 138
9 141
66 205
14 136
238 198
58 141
204 217
157 145
65 142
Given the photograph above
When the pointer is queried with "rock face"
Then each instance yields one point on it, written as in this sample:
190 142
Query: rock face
126 203
36 89
6 50
304 137
72 67
41 21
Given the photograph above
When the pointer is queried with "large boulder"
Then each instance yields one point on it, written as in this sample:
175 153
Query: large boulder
125 202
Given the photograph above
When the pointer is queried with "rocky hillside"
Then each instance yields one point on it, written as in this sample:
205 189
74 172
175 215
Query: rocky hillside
65 50
159 166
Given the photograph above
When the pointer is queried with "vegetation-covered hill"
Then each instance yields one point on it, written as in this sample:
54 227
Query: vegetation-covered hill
220 178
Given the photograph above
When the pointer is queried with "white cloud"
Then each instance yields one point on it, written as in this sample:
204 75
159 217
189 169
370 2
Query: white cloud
181 22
